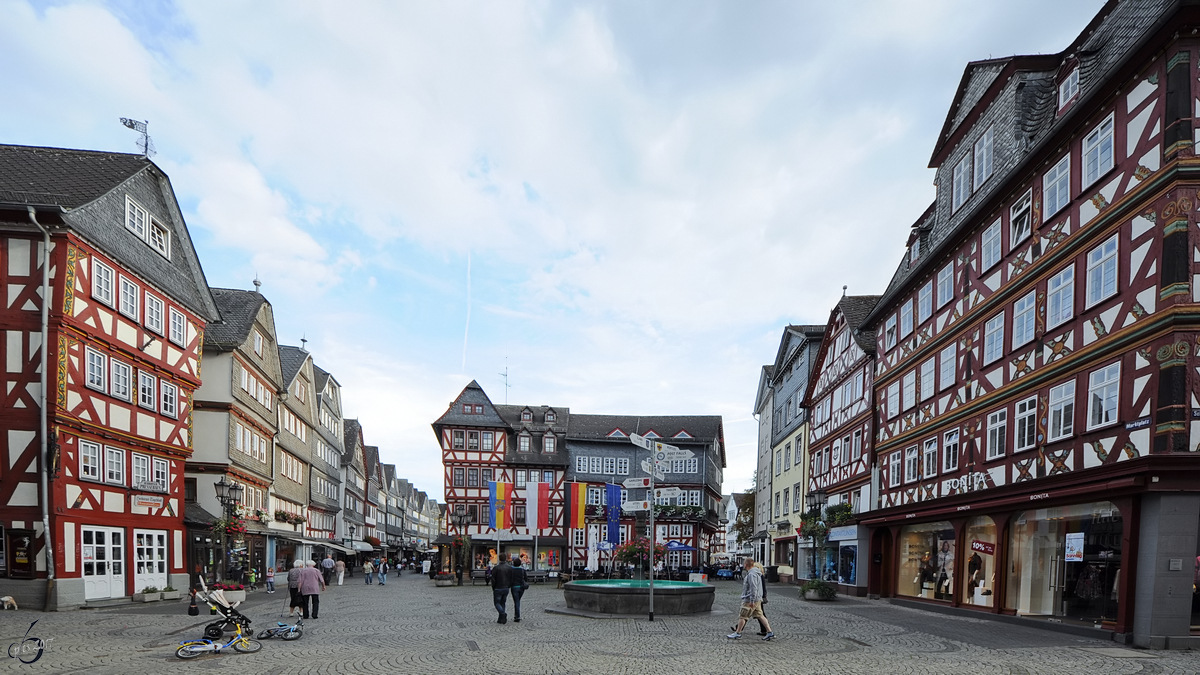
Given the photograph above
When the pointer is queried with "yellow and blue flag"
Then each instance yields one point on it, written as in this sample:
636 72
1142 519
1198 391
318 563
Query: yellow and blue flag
498 505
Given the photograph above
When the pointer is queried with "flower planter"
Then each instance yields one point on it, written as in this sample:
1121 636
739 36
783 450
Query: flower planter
443 582
235 596
170 595
813 595
145 597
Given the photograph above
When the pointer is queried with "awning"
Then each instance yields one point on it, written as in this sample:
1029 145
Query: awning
363 547
431 550
328 543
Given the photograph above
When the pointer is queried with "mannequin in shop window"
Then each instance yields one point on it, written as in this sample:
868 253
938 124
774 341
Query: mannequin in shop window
928 573
945 573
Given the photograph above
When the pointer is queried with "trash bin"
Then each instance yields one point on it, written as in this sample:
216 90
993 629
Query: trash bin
773 573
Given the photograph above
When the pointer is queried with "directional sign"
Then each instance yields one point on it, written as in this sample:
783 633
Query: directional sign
655 471
604 546
647 443
642 505
667 492
634 483
667 453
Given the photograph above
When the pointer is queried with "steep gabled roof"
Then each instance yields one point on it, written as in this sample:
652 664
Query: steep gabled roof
764 387
351 438
511 414
471 394
856 308
320 378
371 460
239 310
62 177
291 360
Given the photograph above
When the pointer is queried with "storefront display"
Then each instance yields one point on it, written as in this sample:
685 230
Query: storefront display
1065 562
927 555
847 562
980 573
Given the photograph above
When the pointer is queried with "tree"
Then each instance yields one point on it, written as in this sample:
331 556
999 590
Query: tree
744 525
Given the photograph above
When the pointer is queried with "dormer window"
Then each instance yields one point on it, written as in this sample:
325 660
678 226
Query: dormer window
652 434
478 410
526 416
682 434
616 433
1068 89
548 444
144 227
523 443
914 250
550 417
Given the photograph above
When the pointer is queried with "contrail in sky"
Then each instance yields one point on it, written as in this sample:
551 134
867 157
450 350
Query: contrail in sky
467 330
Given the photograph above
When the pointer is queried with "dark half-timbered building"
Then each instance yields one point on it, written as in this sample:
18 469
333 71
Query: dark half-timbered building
98 384
839 399
1038 347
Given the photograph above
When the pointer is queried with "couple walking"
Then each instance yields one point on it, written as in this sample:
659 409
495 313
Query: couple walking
754 594
505 578
305 584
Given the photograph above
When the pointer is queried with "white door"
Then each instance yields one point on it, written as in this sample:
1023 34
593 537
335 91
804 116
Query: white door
103 553
149 559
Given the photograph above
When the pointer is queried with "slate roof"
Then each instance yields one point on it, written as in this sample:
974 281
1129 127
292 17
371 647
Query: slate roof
239 309
291 360
371 460
511 414
194 514
856 308
62 177
350 437
320 378
472 393
1025 116
597 427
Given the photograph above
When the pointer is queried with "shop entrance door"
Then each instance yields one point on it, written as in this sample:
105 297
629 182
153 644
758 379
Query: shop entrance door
149 559
103 552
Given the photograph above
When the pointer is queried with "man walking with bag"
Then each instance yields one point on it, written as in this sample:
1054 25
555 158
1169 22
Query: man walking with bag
502 577
520 584
752 596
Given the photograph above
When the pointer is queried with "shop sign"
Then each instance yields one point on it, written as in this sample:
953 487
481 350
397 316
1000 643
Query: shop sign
984 547
1138 424
148 501
149 486
968 483
843 533
1074 547
1196 413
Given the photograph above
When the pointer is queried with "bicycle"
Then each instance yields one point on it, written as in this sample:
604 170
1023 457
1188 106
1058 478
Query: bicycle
239 641
283 630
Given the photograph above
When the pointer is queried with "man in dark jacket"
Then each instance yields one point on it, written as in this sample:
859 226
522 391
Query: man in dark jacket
502 576
520 584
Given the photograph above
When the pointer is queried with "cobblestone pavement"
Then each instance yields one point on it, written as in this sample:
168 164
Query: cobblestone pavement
409 626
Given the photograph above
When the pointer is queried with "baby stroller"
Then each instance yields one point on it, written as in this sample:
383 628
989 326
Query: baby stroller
230 617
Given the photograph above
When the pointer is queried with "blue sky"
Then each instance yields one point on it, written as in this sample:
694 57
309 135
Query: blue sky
644 193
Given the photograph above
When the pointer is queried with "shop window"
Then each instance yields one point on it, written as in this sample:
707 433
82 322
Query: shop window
980 570
847 564
1065 562
927 556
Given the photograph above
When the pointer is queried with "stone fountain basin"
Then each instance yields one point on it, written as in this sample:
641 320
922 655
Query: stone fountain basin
630 596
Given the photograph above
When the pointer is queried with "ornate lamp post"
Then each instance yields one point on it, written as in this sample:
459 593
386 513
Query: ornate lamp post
815 501
459 519
229 494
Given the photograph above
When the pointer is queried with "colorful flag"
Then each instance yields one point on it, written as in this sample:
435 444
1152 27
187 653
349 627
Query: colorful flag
537 505
613 498
577 499
498 505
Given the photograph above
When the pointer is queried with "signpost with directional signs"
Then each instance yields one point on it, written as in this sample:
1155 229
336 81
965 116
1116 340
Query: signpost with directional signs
667 492
635 483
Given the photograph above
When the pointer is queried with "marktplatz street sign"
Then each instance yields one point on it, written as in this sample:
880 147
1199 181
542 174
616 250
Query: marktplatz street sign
634 483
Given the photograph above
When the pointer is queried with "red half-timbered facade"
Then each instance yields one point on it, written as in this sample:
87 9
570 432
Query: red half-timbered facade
1037 348
128 310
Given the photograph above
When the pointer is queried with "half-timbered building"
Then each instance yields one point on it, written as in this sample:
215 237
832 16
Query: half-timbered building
1038 345
237 421
840 432
352 517
97 426
325 483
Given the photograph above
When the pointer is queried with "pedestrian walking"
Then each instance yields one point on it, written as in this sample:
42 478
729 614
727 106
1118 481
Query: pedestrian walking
295 606
340 568
752 597
368 570
383 570
270 579
520 583
311 585
762 626
501 583
327 568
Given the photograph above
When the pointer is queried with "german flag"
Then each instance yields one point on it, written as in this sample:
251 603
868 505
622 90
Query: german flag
577 498
498 505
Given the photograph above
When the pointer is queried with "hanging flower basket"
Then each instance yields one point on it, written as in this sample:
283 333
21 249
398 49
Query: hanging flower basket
637 551
231 526
374 541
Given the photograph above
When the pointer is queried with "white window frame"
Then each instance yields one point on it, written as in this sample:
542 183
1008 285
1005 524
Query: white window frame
1102 271
147 397
1025 418
610 465
102 282
945 284
127 298
1062 411
912 464
950 451
581 464
889 332
548 444
1104 388
139 469
1020 219
983 158
154 313
989 246
929 458
178 328
1095 146
928 379
97 370
159 238
89 450
258 343
1068 89
948 366
121 380
169 394
993 339
893 400
961 182
137 219
908 390
894 469
1024 319
997 434
925 302
109 454
1060 297
1056 186
693 465
906 318
622 466
597 465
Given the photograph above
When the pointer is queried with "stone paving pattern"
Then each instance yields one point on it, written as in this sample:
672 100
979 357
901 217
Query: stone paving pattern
410 626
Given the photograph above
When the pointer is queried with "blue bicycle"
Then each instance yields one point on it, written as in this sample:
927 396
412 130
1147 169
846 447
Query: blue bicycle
239 641
283 630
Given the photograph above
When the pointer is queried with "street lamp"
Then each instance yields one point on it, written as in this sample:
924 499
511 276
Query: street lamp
816 501
459 519
228 494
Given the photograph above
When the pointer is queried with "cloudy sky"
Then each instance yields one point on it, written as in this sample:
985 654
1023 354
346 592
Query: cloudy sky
620 203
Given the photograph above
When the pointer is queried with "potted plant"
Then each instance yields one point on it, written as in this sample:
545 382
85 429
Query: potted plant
233 592
443 579
169 593
148 594
815 589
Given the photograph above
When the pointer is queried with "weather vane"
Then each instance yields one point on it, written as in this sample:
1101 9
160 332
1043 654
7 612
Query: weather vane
144 143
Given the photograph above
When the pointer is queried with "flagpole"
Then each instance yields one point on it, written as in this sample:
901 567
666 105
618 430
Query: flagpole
653 534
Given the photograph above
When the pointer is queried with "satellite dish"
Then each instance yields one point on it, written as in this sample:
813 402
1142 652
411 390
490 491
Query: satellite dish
144 143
